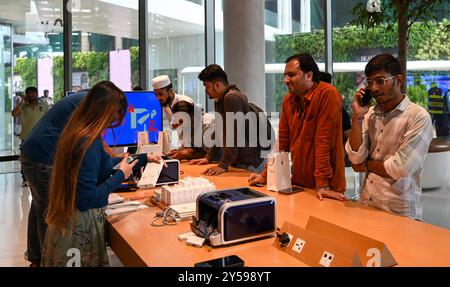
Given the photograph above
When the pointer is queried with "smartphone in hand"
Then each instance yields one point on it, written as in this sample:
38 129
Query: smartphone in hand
132 158
367 97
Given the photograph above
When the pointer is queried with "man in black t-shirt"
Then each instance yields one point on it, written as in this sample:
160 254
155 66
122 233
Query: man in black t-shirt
346 123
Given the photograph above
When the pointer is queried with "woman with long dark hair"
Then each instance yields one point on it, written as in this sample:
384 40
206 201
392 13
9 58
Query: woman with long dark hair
82 180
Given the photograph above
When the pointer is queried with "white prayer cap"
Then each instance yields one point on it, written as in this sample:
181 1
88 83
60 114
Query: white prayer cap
160 82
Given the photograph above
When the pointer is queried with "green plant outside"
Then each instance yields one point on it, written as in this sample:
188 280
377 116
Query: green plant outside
427 42
27 69
95 63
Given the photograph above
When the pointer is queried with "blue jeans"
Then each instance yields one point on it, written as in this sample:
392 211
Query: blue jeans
38 176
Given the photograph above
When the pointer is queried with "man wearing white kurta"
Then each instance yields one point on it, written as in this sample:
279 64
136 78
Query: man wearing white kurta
165 94
162 86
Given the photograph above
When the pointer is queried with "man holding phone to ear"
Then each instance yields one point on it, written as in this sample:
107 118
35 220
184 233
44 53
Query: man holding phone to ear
29 112
389 141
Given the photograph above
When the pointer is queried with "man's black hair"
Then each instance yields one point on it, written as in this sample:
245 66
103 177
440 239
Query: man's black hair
307 64
385 62
326 77
183 106
213 73
169 87
29 89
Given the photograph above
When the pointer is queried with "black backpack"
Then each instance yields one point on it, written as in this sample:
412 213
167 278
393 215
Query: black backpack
258 111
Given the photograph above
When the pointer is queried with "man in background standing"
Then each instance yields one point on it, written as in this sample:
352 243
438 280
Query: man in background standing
18 99
48 99
437 107
29 111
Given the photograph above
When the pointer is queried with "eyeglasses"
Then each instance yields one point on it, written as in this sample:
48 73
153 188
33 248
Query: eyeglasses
378 81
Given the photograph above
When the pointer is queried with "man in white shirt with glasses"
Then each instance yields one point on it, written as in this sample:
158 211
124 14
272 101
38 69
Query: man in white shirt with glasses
389 141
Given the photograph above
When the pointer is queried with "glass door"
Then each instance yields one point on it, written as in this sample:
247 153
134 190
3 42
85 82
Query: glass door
6 134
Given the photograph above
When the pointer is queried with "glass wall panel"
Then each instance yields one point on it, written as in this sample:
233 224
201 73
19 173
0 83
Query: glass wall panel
219 32
271 15
300 30
32 53
428 65
176 44
108 45
6 130
427 52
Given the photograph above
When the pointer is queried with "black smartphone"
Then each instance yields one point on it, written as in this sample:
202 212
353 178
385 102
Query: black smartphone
367 97
132 158
227 261
291 190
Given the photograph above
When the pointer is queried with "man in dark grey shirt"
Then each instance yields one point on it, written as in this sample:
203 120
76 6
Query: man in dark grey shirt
228 99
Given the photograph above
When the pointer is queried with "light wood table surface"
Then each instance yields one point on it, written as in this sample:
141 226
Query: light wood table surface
137 243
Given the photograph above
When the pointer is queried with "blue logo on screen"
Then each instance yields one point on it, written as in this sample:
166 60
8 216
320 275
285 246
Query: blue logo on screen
144 113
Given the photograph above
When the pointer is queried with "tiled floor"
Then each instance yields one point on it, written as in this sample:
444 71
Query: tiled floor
15 201
436 206
14 206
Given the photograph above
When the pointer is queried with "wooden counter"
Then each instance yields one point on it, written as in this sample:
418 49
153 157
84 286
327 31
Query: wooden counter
411 242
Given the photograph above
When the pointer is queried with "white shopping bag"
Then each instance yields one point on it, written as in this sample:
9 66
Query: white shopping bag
278 171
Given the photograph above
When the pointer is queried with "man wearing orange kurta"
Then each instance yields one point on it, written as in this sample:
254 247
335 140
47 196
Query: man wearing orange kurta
310 129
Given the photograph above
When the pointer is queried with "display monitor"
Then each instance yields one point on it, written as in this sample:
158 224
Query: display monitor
144 113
